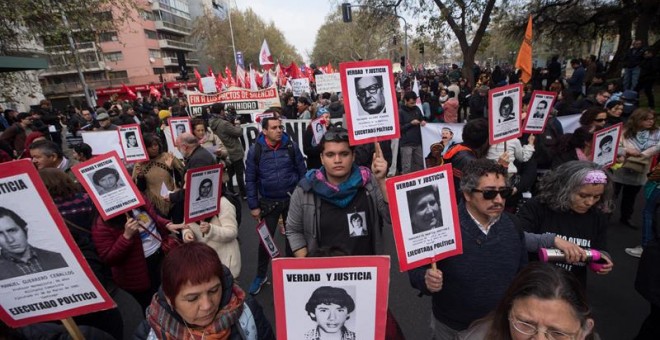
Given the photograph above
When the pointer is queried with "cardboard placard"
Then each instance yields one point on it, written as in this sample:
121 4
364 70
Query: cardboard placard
179 125
359 285
300 86
203 193
318 128
102 142
605 145
62 284
132 143
539 111
424 216
329 82
505 113
108 184
372 113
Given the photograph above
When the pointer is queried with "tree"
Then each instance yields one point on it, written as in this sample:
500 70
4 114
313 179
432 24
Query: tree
467 20
213 38
369 36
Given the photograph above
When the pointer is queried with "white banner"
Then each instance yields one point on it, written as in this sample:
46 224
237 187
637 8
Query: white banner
329 82
300 86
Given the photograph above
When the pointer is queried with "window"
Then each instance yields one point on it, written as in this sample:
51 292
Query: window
104 16
154 54
146 15
151 34
114 56
159 70
108 36
117 74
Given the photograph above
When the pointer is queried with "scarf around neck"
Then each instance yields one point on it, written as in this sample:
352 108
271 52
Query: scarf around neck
168 325
339 195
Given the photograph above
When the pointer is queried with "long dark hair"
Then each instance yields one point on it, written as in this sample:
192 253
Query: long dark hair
543 281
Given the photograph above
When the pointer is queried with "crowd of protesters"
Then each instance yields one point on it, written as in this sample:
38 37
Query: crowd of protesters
572 201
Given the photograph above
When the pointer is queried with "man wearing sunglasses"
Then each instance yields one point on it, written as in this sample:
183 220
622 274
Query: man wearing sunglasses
270 178
327 202
493 252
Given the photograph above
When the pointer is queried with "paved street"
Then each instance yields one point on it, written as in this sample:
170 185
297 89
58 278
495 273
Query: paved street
618 309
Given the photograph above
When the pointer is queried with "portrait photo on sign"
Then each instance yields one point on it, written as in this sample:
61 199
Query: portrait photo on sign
203 187
267 239
538 111
319 129
39 259
357 224
132 143
107 182
605 145
504 113
322 302
179 125
369 100
424 218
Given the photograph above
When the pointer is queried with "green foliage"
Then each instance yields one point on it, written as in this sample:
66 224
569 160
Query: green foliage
250 30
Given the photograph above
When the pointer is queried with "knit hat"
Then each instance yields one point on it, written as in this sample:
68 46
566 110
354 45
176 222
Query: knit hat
163 114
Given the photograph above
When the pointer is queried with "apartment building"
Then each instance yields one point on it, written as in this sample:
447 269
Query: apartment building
142 52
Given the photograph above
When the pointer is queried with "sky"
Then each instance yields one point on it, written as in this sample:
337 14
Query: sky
299 20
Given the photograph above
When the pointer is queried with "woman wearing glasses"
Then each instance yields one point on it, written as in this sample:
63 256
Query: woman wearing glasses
594 118
641 139
542 299
572 203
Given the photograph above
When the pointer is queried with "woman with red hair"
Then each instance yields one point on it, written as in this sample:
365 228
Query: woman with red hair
198 299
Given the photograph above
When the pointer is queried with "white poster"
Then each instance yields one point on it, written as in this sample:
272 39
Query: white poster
329 82
208 85
505 113
132 143
300 86
203 191
267 240
103 142
538 111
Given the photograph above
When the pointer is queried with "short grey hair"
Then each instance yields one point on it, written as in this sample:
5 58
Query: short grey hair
557 186
188 139
48 148
477 169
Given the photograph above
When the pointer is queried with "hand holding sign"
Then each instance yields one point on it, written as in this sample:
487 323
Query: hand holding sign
130 228
433 280
378 164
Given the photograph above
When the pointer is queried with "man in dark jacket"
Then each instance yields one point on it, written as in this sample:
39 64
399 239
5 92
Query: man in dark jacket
576 81
16 134
228 128
631 62
274 165
411 120
479 103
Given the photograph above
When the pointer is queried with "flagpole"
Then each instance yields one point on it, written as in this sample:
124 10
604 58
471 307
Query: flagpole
231 30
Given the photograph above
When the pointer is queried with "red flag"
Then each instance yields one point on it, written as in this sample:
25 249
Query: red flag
199 79
265 58
220 82
293 71
210 74
131 95
154 92
329 68
259 79
409 67
230 78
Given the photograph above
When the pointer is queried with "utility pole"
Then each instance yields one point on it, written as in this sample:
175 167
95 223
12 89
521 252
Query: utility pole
91 103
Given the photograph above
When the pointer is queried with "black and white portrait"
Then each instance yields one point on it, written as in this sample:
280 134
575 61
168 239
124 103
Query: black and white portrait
106 180
370 93
605 146
424 208
17 256
541 110
131 140
506 110
205 189
357 224
330 307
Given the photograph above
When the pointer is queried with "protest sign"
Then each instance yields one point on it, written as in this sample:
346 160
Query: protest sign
300 86
103 142
319 129
505 113
208 85
203 191
424 216
108 184
372 113
357 285
246 102
179 125
132 143
605 145
538 111
43 275
267 240
170 143
445 133
329 82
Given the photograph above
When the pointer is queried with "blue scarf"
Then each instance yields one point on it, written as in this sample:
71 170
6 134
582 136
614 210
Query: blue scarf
339 195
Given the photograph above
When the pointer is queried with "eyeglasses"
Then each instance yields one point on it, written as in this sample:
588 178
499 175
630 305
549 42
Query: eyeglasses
491 194
529 329
336 135
371 90
600 120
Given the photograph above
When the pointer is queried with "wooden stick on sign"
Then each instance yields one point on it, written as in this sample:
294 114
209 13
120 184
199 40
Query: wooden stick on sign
73 329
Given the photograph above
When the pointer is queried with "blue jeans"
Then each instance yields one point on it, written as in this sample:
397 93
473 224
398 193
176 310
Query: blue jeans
648 215
631 77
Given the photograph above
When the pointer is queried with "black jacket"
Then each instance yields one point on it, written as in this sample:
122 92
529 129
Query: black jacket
411 135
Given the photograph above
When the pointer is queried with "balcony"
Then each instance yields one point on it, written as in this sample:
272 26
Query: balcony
66 49
171 27
174 62
76 87
86 66
177 45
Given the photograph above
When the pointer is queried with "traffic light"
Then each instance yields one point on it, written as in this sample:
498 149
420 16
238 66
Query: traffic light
346 14
421 48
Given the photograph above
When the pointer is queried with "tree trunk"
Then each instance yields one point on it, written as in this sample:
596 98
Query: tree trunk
647 10
624 24
468 65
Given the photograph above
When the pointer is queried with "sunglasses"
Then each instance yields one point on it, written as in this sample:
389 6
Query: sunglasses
339 135
600 120
491 194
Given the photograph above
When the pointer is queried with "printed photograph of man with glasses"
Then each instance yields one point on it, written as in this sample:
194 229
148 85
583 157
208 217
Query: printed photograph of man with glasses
370 94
